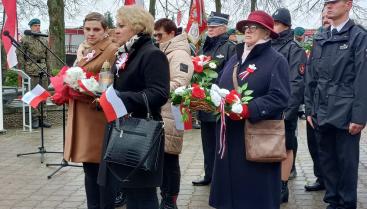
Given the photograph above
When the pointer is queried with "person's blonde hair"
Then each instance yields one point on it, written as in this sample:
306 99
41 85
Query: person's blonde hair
140 20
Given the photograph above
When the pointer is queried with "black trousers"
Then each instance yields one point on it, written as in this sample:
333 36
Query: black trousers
171 175
141 198
208 133
313 147
339 158
290 133
98 197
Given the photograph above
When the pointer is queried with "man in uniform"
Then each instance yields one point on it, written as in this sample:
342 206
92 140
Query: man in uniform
311 138
34 49
297 59
336 101
218 47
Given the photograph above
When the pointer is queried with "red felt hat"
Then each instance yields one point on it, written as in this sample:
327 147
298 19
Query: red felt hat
261 18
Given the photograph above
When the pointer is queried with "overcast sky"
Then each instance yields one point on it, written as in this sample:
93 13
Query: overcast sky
102 6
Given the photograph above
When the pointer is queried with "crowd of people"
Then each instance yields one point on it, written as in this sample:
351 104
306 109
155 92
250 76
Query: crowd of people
154 57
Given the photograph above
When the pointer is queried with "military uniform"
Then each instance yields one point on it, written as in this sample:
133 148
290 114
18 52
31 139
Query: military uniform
221 50
335 81
35 50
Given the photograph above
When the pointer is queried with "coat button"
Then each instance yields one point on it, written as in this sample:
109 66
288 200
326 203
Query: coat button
263 112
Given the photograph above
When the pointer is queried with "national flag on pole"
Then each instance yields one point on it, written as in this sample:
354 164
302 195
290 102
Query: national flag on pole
112 105
10 25
179 17
197 21
137 2
35 96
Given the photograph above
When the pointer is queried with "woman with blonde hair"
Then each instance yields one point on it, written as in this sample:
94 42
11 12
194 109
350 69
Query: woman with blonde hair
140 68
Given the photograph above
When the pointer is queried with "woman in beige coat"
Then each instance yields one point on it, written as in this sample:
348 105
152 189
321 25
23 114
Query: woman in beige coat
177 50
86 124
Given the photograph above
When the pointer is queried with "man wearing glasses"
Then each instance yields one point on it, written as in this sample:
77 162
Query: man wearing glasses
336 101
218 47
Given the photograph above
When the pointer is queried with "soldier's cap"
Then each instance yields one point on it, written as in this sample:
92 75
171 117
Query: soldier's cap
283 15
217 19
299 31
34 21
231 31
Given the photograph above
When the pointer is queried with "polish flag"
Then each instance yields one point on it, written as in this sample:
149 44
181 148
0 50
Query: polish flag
10 25
35 96
137 2
112 105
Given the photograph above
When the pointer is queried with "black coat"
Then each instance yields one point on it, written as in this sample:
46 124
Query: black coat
297 59
146 70
221 49
238 183
336 77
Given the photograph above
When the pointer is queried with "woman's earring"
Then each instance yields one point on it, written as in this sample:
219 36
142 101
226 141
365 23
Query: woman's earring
106 35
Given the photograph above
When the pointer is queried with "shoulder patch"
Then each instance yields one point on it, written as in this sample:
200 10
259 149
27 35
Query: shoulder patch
184 68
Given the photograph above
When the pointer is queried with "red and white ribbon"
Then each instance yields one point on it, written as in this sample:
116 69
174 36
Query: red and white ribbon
247 72
222 138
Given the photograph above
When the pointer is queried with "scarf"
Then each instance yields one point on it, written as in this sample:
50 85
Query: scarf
122 54
82 50
248 49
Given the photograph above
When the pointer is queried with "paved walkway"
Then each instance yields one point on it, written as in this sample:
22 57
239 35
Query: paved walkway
24 183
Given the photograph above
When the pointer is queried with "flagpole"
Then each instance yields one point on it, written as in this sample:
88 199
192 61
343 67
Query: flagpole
2 130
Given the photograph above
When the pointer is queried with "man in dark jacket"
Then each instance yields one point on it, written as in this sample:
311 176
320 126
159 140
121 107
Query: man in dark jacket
221 49
297 59
312 143
336 101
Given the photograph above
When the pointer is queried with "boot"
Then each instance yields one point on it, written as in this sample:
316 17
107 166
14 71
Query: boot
284 192
35 123
46 124
168 201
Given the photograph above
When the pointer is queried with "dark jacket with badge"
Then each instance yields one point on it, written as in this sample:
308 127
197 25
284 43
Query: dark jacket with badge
297 59
220 49
336 77
238 183
147 70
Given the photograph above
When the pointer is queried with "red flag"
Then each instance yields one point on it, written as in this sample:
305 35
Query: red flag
132 2
35 96
179 17
197 21
112 105
10 25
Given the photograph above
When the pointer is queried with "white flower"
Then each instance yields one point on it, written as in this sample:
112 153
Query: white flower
91 84
223 92
180 90
252 67
72 76
212 65
215 98
237 108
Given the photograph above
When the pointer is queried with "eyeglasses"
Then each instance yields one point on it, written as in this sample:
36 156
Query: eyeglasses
158 35
251 28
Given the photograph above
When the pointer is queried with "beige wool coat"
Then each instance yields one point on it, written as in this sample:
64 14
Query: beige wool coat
181 68
85 124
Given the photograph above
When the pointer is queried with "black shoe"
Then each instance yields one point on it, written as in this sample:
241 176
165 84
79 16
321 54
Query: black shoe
46 124
196 126
120 199
202 182
35 124
316 186
293 174
168 201
284 194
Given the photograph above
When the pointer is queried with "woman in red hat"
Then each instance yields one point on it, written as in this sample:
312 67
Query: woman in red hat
238 183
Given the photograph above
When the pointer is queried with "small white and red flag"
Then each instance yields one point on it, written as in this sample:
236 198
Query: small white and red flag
112 105
35 96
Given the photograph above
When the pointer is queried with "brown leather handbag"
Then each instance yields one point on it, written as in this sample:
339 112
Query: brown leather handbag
264 140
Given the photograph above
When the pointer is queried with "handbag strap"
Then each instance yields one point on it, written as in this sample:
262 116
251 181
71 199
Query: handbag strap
234 76
127 178
145 98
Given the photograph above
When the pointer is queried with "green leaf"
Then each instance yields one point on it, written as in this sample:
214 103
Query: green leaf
211 73
247 98
248 92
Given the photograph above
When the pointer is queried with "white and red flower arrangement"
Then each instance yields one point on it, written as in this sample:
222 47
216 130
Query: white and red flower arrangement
74 82
204 70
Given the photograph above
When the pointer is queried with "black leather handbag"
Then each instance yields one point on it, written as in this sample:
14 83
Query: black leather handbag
135 142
